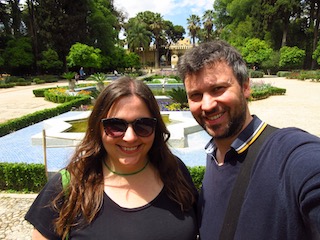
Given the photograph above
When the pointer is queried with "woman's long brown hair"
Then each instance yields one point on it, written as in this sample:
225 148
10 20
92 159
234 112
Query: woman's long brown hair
86 188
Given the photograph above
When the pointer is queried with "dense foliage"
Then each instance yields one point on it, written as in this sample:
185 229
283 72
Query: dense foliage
41 36
22 177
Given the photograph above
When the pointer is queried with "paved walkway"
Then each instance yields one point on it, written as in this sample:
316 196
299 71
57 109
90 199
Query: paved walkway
19 101
13 207
299 107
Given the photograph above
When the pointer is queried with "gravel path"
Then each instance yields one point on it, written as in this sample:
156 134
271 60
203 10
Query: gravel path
299 107
13 207
20 100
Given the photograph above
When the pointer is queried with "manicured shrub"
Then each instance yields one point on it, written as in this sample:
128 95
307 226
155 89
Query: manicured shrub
261 90
256 74
22 177
38 81
40 92
7 85
304 75
38 116
283 73
197 174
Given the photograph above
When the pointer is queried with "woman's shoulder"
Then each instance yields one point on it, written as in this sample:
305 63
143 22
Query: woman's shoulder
53 186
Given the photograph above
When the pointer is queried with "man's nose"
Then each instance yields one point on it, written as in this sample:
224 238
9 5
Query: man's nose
208 102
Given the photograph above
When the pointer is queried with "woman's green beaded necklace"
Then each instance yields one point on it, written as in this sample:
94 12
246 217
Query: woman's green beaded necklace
125 174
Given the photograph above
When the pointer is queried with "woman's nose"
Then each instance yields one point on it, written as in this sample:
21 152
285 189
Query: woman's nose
130 134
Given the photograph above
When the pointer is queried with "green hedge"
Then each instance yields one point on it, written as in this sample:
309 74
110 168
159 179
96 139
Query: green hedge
256 74
283 73
60 98
197 174
265 93
23 83
22 177
40 92
38 116
32 177
304 75
7 85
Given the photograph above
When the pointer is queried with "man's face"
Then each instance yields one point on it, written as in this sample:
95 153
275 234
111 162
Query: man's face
217 101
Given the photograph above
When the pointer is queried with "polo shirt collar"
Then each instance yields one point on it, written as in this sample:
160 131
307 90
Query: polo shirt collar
245 138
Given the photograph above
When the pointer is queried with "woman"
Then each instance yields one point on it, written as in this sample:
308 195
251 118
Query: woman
125 183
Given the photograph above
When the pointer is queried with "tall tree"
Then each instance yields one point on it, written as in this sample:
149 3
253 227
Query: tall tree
5 30
173 33
155 24
286 9
103 27
207 22
62 23
138 37
33 30
313 7
15 17
194 25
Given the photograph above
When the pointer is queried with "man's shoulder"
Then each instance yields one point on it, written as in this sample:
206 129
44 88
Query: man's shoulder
290 132
288 138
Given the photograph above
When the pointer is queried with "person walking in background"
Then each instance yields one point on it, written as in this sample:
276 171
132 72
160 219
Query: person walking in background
260 182
124 181
82 73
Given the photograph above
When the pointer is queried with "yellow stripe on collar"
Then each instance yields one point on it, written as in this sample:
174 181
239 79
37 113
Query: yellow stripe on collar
260 130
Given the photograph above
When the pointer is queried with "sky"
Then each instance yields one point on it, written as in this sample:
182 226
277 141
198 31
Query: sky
176 11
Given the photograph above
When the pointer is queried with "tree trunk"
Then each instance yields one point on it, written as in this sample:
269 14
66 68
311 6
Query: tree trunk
315 37
72 85
33 34
100 86
156 60
16 17
285 32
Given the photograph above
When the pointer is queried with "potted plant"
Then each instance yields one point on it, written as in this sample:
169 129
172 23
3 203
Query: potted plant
71 80
99 78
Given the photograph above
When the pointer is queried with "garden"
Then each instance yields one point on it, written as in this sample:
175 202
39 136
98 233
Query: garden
83 99
32 46
17 177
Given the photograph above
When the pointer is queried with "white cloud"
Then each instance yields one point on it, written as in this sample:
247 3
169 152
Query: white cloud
133 7
164 7
200 4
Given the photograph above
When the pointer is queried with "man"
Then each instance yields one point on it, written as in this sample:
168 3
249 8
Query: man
282 197
82 74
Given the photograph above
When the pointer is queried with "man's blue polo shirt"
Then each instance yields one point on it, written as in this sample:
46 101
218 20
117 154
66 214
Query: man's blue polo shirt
219 180
282 200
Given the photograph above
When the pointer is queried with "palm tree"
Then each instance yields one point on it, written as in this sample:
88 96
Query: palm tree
138 37
207 21
99 78
70 76
194 27
157 26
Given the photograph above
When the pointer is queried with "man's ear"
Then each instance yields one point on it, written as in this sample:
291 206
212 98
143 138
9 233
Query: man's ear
246 89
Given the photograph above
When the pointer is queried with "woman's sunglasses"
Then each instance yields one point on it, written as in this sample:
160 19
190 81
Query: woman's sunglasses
116 127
